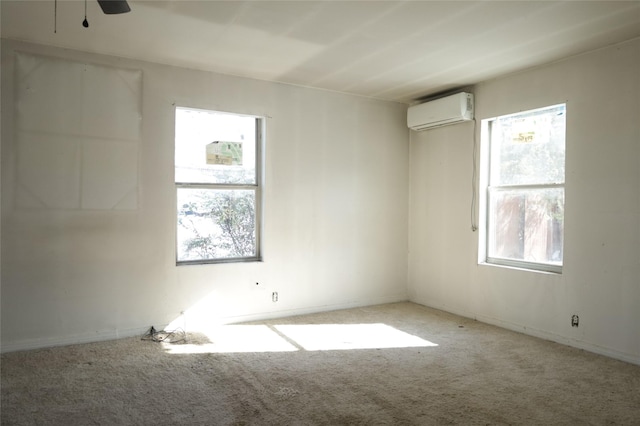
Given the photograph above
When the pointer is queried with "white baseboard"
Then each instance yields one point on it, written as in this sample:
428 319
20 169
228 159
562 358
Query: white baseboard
313 309
541 334
47 342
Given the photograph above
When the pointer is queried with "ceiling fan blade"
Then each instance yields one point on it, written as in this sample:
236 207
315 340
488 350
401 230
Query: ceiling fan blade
112 7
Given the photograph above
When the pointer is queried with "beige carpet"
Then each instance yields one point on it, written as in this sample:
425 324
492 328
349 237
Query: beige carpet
335 368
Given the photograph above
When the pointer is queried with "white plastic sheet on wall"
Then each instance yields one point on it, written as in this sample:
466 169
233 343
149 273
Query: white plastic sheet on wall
78 134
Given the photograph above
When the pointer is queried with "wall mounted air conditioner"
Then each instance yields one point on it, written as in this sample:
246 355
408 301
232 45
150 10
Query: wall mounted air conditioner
441 112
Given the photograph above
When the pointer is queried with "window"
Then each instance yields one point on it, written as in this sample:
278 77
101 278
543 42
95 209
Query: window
525 189
218 189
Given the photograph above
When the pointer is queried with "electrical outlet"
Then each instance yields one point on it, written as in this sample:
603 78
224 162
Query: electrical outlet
274 296
575 320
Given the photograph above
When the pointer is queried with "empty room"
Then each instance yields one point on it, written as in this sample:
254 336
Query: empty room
320 212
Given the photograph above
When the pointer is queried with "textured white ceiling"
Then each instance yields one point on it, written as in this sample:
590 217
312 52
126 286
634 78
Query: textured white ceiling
394 50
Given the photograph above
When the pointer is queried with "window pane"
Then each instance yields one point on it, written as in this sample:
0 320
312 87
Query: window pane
529 148
527 225
216 224
214 147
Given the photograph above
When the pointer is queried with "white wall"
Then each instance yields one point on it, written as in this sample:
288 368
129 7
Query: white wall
601 275
335 218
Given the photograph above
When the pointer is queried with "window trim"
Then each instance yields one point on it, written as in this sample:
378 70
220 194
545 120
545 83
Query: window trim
485 205
256 187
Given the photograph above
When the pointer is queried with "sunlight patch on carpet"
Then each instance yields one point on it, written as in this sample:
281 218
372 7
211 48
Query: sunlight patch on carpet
295 337
235 338
326 337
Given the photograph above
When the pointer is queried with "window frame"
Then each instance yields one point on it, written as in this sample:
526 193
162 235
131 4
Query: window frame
256 187
490 191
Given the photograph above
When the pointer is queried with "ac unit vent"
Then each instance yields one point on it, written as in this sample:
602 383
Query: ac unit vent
441 112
